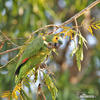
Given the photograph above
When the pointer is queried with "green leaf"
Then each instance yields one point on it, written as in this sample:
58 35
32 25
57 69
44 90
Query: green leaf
90 30
81 48
23 95
50 86
83 39
78 60
74 51
79 51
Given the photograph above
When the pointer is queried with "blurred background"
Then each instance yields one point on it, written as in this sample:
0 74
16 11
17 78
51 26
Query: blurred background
19 18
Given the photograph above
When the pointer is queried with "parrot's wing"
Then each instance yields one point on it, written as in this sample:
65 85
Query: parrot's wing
32 49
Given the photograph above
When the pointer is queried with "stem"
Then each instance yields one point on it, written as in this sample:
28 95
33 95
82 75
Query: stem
8 39
10 50
47 26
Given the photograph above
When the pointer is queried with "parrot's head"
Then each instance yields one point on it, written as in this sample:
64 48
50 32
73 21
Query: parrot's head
53 41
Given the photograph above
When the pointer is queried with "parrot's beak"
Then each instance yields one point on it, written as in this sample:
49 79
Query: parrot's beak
60 42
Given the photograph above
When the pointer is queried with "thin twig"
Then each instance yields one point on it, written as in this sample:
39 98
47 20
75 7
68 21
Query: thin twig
8 62
10 50
42 28
8 39
76 25
40 92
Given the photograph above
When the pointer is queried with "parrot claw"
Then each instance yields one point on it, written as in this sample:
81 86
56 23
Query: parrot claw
43 65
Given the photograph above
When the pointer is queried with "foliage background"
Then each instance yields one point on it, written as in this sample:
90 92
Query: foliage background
19 18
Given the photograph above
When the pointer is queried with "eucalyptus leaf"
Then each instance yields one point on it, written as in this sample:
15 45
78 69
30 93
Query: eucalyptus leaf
50 85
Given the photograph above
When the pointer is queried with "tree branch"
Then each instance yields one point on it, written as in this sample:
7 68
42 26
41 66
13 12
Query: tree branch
71 19
42 28
1 53
81 12
8 39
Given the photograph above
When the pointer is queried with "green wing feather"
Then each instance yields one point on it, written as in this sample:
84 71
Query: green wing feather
32 49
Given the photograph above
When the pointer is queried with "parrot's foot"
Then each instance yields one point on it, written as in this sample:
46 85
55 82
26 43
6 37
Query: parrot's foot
43 65
54 54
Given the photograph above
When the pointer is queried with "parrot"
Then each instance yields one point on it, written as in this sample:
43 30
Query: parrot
34 54
31 55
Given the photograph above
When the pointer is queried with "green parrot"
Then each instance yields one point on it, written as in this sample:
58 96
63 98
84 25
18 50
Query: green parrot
34 54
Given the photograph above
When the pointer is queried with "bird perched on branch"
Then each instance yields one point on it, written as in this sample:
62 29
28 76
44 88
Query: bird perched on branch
35 53
32 55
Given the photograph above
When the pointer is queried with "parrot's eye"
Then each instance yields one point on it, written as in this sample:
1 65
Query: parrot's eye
55 39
